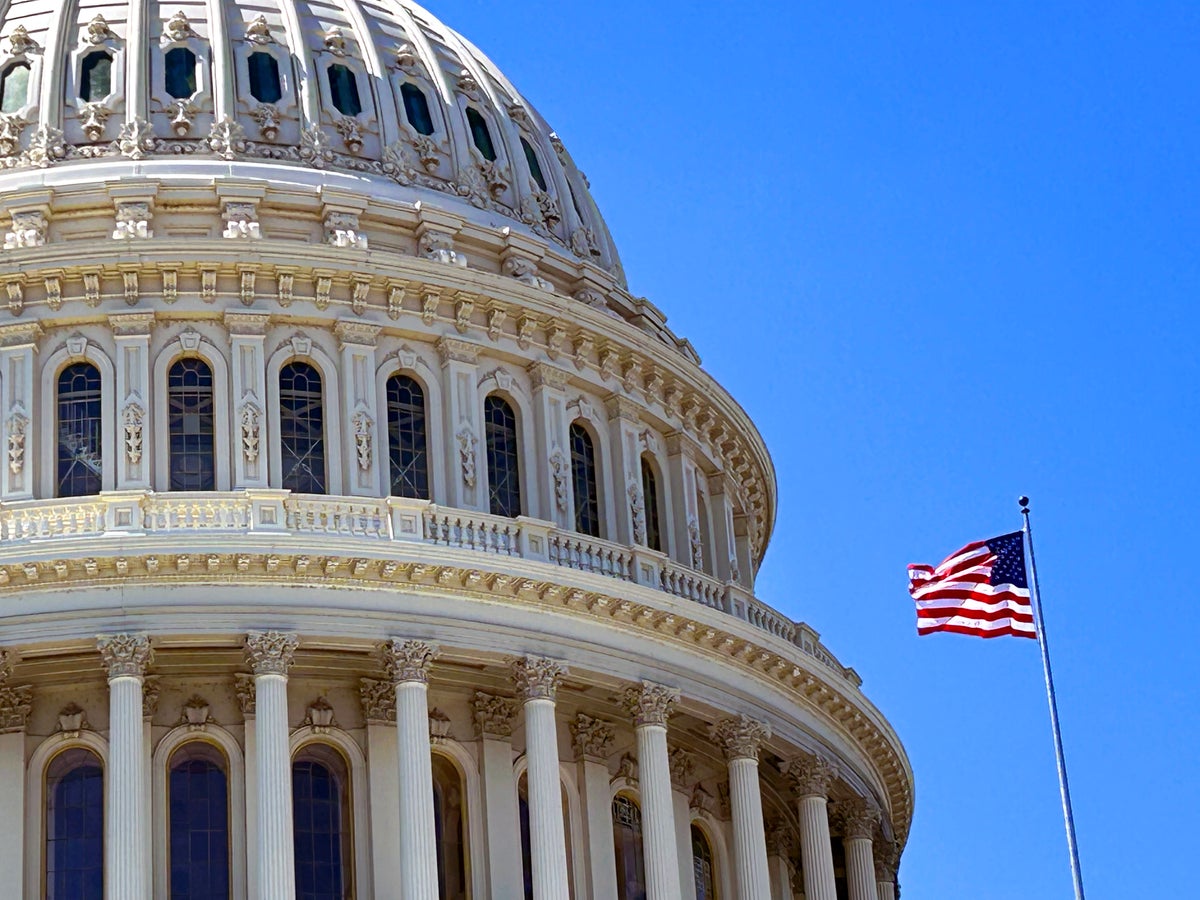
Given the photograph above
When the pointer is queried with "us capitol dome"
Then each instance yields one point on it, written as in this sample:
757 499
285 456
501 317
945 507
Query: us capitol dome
361 534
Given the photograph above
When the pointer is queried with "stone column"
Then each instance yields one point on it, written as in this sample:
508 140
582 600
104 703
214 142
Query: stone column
135 437
243 687
494 718
682 767
650 706
592 740
15 703
466 456
811 778
364 447
127 867
858 820
270 655
537 683
887 858
378 699
408 663
248 369
740 738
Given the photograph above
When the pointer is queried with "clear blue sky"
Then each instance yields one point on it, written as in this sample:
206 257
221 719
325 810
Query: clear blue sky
942 257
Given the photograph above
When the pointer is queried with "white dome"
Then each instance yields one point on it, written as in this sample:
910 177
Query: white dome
383 90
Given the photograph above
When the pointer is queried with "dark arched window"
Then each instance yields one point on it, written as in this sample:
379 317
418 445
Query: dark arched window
416 108
75 826
265 86
449 816
95 82
180 75
14 87
301 429
583 479
80 466
480 134
535 167
198 810
627 838
527 840
702 556
702 866
191 444
321 823
408 442
504 477
343 90
650 498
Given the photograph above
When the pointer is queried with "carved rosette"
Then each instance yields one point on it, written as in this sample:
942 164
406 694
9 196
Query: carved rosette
408 661
682 765
740 737
271 652
811 776
493 716
858 818
650 704
536 677
378 699
15 703
125 655
243 687
591 738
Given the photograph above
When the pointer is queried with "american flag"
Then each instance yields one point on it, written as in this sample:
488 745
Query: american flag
981 590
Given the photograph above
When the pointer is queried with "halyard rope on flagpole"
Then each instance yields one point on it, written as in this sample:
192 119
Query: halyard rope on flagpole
1064 788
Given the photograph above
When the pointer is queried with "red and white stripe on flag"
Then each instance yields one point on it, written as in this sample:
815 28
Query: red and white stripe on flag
981 590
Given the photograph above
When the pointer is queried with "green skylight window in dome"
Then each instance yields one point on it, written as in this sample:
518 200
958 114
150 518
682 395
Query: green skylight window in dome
416 108
14 87
95 82
343 90
180 72
480 134
265 86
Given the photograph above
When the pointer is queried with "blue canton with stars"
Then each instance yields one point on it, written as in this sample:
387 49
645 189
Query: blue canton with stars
1009 567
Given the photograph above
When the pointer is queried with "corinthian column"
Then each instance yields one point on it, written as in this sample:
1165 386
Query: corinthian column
887 857
269 654
537 683
408 662
650 705
740 739
811 778
858 820
127 866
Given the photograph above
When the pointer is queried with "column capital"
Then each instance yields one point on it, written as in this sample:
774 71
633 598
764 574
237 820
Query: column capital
811 776
887 858
408 661
15 703
494 715
536 677
650 704
378 700
125 655
682 764
8 659
857 818
782 839
740 737
591 738
271 652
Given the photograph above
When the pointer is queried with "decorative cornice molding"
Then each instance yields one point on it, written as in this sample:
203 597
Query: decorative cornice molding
740 737
650 704
407 660
271 652
125 655
494 716
536 677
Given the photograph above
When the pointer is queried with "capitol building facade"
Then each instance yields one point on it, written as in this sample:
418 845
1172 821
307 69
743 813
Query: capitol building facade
361 534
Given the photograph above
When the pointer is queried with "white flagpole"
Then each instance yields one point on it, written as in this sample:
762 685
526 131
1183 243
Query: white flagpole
1064 789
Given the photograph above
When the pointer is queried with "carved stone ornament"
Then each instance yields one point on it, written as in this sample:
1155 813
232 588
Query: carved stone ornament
271 652
335 41
591 738
178 29
268 118
133 221
227 139
682 764
11 126
560 469
46 146
363 427
782 839
466 454
378 700
627 769
135 139
887 858
439 247
258 31
319 716
407 661
20 43
407 60
98 31
739 737
8 659
857 817
15 704
351 131
341 230
125 655
493 716
637 511
249 419
439 726
17 426
72 720
811 776
241 221
243 688
702 801
195 713
28 230
151 690
650 704
526 271
182 112
695 545
133 420
536 677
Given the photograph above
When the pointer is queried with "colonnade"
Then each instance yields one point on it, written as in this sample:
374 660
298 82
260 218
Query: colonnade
407 662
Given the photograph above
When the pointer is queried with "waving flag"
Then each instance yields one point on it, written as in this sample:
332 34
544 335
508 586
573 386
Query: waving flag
981 590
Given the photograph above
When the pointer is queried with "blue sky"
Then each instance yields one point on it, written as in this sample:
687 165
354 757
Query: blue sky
943 257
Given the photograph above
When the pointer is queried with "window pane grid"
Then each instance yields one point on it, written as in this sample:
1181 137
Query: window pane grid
302 429
407 438
75 827
192 447
504 480
80 467
318 806
627 835
650 496
583 474
199 831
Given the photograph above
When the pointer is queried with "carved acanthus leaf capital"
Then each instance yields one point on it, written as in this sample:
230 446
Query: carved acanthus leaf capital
811 776
858 818
887 859
8 659
682 765
650 704
740 737
243 687
378 699
591 738
536 677
15 703
150 693
493 715
782 839
407 661
271 652
125 655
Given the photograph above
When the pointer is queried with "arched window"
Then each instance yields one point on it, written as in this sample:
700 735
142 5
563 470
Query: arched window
416 108
527 842
265 86
480 134
301 429
583 478
650 499
450 817
535 168
75 826
198 809
321 823
180 63
191 444
79 427
702 865
504 477
408 442
95 81
14 87
627 838
343 90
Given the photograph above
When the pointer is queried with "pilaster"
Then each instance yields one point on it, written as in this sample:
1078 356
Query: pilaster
680 502
592 740
626 470
19 387
551 426
247 332
15 704
378 699
465 459
361 431
494 719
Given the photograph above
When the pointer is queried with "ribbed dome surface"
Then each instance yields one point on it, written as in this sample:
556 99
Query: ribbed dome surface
380 89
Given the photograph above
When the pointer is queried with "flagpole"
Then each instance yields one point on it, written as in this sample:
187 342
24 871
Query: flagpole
1064 788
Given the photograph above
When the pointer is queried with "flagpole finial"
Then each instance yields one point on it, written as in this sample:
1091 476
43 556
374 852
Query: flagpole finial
1024 501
